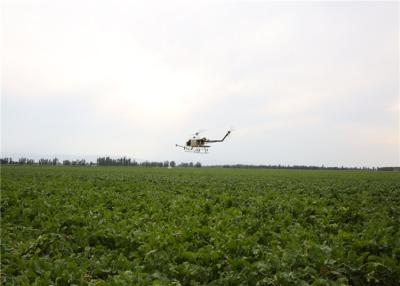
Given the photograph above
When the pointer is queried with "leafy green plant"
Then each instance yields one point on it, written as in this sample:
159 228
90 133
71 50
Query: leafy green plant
154 226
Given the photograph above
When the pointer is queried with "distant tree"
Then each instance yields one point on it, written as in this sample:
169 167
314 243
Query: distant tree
197 165
78 162
166 164
172 164
45 161
389 169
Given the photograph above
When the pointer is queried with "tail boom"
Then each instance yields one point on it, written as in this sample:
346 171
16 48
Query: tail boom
222 140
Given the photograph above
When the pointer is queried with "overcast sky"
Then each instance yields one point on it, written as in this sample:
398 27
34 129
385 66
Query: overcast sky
301 82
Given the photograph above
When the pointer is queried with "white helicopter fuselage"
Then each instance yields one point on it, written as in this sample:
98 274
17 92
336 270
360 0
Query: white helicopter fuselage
198 145
195 142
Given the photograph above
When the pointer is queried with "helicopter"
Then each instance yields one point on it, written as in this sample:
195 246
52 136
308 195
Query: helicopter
198 145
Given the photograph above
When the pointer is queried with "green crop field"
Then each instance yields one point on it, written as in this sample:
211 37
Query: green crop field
156 226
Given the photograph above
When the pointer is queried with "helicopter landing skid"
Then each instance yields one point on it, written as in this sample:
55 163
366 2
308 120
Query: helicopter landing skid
197 150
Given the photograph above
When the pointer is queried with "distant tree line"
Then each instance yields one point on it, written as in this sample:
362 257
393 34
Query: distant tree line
190 165
43 161
21 161
124 161
107 161
101 161
389 169
304 167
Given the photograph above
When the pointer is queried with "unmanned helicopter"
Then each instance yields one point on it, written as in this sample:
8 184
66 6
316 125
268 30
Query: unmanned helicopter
199 145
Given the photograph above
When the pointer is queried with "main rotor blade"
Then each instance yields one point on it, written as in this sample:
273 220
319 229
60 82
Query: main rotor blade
197 133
